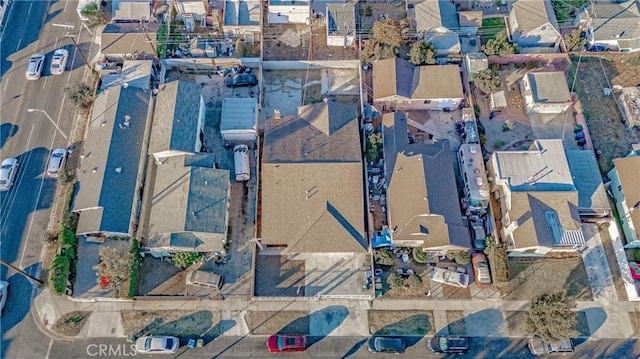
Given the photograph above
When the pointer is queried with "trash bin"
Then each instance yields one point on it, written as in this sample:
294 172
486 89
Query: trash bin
192 343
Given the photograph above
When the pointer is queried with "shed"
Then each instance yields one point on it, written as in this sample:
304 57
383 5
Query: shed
498 101
239 119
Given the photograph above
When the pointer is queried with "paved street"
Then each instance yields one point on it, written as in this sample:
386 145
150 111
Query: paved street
29 137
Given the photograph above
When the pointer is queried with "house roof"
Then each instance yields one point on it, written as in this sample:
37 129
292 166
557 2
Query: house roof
549 87
131 9
239 114
437 82
341 19
391 77
109 170
240 12
189 196
544 167
134 73
431 14
531 14
545 219
628 169
129 38
443 40
477 61
421 188
313 207
587 179
176 116
470 18
616 19
321 132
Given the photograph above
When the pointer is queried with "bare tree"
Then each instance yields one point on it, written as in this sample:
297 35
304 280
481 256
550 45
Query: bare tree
115 266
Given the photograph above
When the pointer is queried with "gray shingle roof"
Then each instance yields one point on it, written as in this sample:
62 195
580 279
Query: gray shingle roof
175 120
549 87
108 173
531 14
587 179
616 19
128 38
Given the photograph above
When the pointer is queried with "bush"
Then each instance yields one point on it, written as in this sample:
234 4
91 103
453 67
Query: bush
499 144
419 255
185 259
70 221
422 53
488 81
414 281
67 238
636 255
451 256
384 257
135 268
59 274
395 280
93 12
462 257
80 95
476 110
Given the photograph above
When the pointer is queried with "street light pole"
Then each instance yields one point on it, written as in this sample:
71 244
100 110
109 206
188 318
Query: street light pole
54 124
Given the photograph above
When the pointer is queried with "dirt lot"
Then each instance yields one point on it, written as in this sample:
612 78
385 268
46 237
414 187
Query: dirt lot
516 322
401 322
267 323
394 10
608 132
71 323
291 42
530 278
456 326
181 323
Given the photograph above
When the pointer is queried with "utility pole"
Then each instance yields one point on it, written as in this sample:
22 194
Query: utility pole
73 39
23 273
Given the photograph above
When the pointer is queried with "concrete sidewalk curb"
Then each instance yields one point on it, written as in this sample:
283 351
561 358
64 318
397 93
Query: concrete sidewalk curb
36 316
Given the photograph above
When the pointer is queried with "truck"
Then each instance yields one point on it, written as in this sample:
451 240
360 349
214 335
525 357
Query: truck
83 4
242 164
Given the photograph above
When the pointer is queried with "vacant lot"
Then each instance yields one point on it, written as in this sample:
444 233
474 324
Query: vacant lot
401 322
267 323
530 278
607 131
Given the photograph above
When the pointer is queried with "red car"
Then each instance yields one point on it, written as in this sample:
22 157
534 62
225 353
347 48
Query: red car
635 270
287 343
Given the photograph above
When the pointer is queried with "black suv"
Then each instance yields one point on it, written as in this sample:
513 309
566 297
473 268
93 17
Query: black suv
449 344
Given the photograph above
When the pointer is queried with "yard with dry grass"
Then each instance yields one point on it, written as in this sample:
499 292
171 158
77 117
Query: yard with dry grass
269 322
516 322
530 278
608 132
401 322
181 323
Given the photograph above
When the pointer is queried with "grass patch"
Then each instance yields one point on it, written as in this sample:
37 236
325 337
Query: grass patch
401 322
490 28
71 323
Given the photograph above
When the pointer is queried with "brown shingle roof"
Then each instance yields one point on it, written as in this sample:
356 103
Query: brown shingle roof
128 38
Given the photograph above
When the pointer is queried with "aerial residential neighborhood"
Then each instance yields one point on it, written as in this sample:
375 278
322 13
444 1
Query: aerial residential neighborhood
343 178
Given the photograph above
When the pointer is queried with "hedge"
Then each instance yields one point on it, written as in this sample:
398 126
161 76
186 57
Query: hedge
59 274
419 255
135 268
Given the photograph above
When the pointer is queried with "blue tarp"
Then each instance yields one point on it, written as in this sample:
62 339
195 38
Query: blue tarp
381 239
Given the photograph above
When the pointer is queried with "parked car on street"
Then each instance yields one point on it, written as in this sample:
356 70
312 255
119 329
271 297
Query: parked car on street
481 270
243 79
449 344
59 61
35 66
538 347
445 276
287 343
157 345
382 344
8 171
4 289
57 159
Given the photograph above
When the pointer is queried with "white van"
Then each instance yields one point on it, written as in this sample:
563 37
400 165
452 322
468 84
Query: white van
242 164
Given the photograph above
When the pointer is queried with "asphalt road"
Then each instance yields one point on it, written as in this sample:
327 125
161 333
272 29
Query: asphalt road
25 209
338 347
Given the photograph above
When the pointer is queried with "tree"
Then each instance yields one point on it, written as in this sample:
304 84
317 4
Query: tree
115 264
185 259
499 45
462 257
488 81
422 53
574 40
395 280
388 32
551 317
80 95
384 257
374 142
93 13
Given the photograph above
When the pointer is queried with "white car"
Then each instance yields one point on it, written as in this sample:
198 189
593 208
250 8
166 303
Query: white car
455 279
8 171
157 345
59 61
4 288
35 66
56 162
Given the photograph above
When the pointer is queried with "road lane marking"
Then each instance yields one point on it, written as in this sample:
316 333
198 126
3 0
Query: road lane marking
49 349
30 5
19 42
45 82
5 84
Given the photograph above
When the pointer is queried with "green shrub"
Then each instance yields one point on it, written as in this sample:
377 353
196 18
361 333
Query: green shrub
384 257
451 256
135 268
59 274
68 238
419 255
395 280
462 257
636 255
70 221
414 281
185 259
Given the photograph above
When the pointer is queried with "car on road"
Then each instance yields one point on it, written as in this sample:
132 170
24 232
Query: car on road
35 66
157 345
243 79
384 344
445 276
449 344
287 343
59 61
4 289
8 171
538 347
56 161
481 270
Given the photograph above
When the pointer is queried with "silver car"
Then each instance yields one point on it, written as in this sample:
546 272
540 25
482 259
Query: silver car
35 66
59 61
157 345
56 162
8 171
4 288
